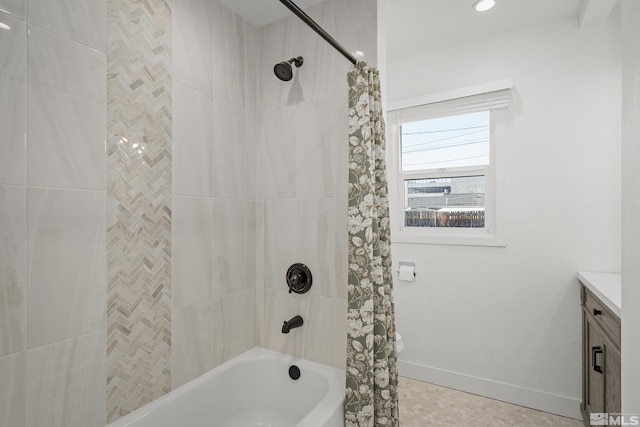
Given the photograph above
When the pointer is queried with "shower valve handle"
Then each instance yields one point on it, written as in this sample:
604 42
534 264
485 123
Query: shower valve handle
299 278
295 279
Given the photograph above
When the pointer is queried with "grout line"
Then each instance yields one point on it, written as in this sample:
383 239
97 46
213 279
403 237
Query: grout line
66 339
27 263
41 28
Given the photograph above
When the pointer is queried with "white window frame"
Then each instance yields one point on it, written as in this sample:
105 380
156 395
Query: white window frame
486 236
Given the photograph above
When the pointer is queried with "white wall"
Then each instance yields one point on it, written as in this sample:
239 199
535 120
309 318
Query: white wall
630 207
52 214
53 338
506 322
213 177
302 177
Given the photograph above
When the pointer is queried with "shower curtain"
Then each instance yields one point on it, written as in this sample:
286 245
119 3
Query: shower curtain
372 376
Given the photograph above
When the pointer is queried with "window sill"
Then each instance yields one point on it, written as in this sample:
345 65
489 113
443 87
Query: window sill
447 237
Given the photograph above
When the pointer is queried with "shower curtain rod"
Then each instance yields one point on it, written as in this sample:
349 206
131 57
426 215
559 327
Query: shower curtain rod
318 29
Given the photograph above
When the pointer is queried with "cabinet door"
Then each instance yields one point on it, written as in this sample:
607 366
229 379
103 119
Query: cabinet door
612 379
595 369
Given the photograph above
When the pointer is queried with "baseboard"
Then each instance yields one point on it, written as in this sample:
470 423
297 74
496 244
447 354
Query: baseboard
536 399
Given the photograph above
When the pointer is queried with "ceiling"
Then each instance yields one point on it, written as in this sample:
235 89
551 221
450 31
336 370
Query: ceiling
418 26
262 12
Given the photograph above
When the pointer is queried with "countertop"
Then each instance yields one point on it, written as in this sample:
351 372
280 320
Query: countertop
605 286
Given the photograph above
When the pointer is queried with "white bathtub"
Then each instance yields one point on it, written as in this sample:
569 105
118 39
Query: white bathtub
253 389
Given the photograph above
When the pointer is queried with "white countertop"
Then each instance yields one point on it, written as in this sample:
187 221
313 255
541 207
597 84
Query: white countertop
605 286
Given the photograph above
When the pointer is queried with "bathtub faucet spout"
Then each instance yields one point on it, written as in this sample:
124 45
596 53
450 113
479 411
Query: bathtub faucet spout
295 322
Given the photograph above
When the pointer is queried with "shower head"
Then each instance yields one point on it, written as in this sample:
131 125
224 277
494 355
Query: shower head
284 71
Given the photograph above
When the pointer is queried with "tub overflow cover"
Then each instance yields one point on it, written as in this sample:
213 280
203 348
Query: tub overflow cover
294 372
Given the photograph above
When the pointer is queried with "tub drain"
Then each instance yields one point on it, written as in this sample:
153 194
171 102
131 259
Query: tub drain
294 372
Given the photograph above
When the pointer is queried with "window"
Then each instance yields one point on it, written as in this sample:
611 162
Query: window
432 147
442 183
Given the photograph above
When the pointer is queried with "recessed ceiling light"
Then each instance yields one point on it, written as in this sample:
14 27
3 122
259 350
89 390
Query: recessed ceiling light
483 5
4 26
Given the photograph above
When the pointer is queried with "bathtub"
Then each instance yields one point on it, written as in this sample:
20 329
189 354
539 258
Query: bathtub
253 389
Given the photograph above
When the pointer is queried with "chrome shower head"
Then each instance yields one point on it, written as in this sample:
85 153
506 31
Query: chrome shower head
284 71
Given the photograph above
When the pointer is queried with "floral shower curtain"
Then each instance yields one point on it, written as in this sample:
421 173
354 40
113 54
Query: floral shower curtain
372 375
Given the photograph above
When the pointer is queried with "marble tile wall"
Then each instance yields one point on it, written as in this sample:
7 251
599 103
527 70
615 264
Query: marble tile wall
139 216
255 184
52 213
13 269
13 229
302 177
13 390
66 258
71 371
66 103
14 7
83 21
13 107
213 195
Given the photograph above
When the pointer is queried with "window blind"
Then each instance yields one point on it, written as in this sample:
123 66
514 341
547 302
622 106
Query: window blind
469 104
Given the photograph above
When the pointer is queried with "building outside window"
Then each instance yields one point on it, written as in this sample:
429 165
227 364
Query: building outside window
452 143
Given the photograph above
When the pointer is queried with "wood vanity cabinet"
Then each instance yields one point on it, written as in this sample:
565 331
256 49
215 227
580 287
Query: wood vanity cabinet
600 357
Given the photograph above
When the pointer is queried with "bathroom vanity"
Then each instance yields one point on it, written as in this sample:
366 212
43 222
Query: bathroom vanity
601 312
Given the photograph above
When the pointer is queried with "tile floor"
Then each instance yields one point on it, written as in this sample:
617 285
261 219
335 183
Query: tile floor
426 405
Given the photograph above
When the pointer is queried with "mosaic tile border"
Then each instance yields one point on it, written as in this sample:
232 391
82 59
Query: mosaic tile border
139 115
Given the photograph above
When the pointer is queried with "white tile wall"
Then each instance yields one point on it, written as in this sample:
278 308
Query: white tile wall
214 227
229 52
66 384
12 390
259 273
238 324
13 245
281 41
193 43
231 219
210 333
252 61
84 22
14 7
66 126
323 75
302 175
13 49
192 155
192 342
52 325
251 154
230 164
354 24
222 66
260 310
308 231
304 151
192 250
314 339
66 259
250 243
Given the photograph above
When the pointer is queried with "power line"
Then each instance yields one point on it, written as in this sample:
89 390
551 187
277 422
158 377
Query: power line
444 130
456 144
444 139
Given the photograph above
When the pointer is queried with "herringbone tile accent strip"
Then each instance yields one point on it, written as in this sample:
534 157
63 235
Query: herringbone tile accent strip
139 204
